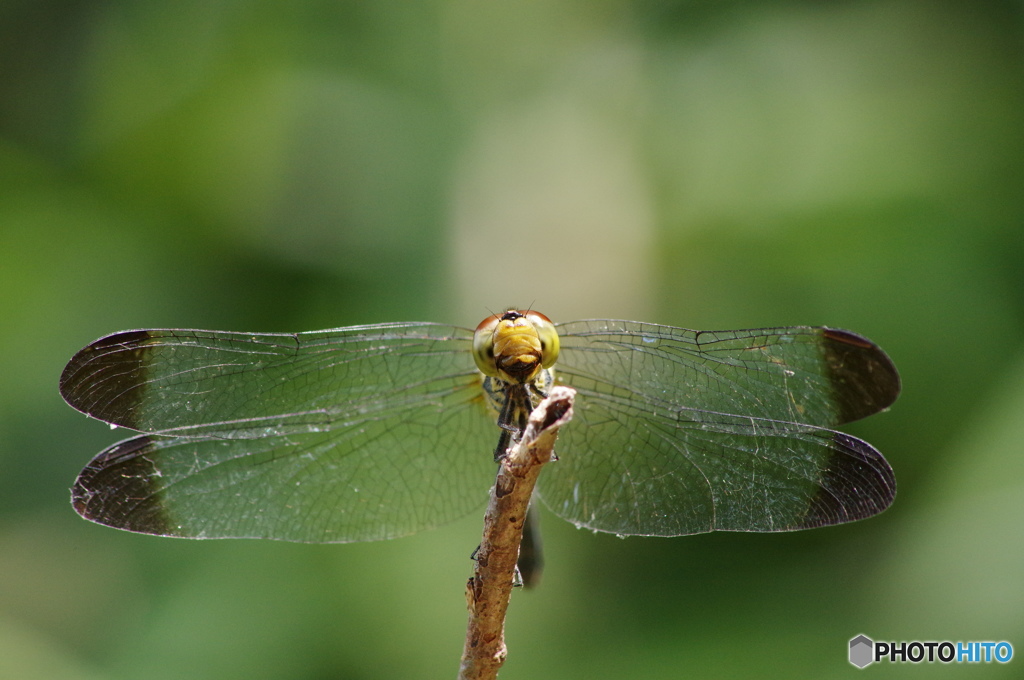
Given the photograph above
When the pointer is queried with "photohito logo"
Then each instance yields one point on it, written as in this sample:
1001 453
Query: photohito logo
864 651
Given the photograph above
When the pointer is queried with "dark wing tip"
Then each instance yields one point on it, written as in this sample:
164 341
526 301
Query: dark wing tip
101 379
864 380
858 483
120 488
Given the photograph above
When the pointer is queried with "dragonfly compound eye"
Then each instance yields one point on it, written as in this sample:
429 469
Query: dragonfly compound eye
548 338
483 346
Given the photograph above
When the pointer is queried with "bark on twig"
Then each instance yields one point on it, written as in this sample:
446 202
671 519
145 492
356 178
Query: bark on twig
489 590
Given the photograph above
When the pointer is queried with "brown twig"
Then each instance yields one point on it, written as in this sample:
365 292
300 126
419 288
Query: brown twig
489 590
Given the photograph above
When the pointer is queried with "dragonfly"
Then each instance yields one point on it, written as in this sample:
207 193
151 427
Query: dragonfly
372 432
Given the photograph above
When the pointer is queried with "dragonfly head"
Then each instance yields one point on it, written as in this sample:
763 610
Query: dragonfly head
515 345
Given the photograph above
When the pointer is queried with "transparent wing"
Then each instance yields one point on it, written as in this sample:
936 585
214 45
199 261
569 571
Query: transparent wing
355 434
190 382
817 376
679 432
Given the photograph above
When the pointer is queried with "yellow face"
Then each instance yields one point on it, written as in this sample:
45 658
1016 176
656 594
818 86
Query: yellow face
515 346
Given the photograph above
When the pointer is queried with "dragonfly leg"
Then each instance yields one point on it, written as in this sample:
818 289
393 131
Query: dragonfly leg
503 443
512 418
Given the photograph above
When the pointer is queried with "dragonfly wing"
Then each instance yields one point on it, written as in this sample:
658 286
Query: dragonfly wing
679 432
378 475
663 471
817 376
191 381
354 434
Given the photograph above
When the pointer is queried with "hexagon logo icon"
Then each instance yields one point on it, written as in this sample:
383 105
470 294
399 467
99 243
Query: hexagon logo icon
862 650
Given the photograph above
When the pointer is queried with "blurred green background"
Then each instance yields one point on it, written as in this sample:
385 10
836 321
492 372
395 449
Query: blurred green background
247 165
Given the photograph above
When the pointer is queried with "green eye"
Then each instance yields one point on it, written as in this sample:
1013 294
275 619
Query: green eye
549 343
483 346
